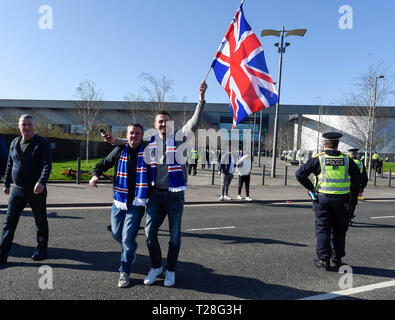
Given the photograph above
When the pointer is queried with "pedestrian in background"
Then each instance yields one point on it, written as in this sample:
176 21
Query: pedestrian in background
357 190
28 168
3 157
225 170
244 172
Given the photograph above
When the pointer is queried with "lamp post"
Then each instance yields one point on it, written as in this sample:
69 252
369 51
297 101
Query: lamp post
372 117
281 49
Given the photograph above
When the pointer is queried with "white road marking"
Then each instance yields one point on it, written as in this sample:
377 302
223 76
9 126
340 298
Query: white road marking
215 228
383 217
212 205
348 292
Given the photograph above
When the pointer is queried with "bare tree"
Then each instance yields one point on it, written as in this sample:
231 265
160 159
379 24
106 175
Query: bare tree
365 103
89 108
131 100
157 89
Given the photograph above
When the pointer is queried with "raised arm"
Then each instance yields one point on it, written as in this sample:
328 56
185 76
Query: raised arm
194 123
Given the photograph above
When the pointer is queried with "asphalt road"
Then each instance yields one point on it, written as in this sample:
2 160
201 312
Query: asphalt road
229 251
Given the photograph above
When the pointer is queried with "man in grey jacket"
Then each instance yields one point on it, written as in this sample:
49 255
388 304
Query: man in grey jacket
166 199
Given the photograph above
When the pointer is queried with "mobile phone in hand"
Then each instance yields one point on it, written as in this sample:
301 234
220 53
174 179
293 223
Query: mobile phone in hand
103 131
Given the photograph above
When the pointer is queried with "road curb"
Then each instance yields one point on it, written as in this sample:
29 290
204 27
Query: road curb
229 202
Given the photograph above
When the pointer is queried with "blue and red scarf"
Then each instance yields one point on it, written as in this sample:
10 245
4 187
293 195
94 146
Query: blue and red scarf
176 177
121 181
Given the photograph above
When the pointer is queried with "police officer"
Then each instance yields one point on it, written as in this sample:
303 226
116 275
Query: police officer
357 189
334 172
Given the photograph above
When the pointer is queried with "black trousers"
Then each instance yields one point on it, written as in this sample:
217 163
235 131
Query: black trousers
331 224
19 199
244 180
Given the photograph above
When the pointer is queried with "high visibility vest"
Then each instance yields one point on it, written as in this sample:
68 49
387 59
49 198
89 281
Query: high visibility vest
195 154
359 164
376 156
334 177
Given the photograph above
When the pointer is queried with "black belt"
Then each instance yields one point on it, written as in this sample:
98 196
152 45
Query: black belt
161 189
335 196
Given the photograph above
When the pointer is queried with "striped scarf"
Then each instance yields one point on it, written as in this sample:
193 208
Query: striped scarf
176 177
121 181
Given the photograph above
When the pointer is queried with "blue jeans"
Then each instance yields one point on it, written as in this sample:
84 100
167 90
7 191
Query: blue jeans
125 226
161 204
19 198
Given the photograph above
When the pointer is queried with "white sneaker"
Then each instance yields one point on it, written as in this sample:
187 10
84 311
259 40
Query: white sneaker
170 278
152 274
124 280
221 198
227 198
248 199
239 197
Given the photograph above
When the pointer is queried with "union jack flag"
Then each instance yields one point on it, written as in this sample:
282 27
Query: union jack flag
240 67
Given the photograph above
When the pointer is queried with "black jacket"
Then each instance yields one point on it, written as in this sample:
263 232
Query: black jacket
112 160
33 166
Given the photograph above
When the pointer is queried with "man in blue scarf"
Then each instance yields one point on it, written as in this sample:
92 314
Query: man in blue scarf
131 176
169 181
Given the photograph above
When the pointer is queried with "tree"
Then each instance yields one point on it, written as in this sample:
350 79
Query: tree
372 92
157 89
89 108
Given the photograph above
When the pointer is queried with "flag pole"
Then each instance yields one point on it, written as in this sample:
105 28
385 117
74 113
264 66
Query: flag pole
208 72
220 47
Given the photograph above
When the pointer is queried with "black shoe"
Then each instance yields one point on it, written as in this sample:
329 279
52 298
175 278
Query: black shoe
109 228
337 262
322 264
3 261
39 254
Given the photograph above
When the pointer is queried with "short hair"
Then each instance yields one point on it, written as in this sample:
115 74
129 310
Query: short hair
136 125
163 113
333 144
25 116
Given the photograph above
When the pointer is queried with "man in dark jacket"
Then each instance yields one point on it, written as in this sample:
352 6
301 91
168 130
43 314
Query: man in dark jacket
28 168
334 174
358 189
127 210
3 157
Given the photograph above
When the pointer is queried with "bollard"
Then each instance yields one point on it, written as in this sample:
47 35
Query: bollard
78 170
263 174
375 177
285 175
389 177
213 174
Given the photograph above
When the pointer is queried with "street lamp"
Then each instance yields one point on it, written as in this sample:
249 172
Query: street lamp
281 49
372 116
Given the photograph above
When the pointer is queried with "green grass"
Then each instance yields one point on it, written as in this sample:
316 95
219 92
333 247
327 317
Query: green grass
60 166
387 165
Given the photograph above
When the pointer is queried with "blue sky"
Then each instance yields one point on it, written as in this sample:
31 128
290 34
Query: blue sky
113 42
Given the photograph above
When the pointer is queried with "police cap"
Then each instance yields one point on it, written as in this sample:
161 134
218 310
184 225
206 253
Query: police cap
332 136
355 150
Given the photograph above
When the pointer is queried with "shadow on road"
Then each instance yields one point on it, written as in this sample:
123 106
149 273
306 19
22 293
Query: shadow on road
228 239
190 276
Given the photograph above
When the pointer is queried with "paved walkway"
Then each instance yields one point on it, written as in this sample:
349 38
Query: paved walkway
201 190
